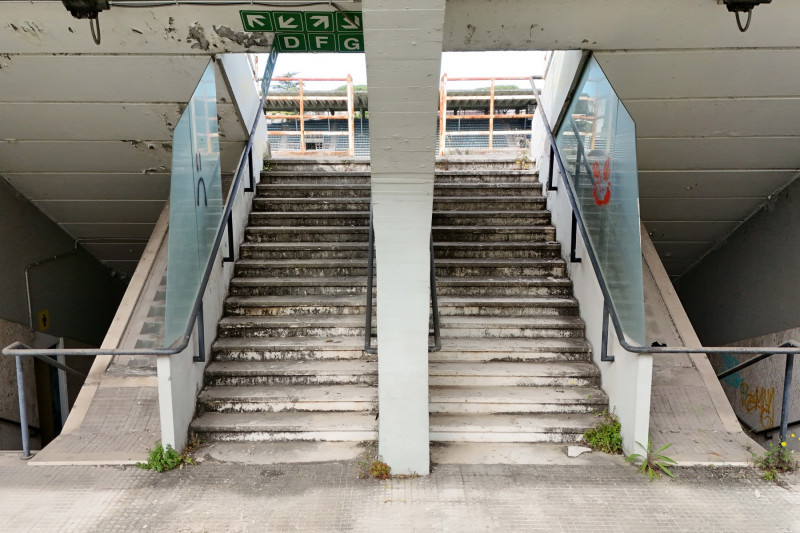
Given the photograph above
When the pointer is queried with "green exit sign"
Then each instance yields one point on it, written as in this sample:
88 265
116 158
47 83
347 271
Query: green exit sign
308 31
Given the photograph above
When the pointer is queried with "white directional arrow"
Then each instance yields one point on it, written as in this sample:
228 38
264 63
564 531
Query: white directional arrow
288 23
256 20
353 24
321 20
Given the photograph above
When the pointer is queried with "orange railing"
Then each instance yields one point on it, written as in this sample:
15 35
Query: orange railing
444 98
301 99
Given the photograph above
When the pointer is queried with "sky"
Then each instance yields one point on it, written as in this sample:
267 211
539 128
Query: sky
455 64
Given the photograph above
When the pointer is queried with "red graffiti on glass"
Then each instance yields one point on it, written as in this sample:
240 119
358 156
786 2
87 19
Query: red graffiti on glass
602 182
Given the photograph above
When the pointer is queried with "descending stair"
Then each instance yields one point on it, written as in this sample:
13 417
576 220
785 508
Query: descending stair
289 363
514 364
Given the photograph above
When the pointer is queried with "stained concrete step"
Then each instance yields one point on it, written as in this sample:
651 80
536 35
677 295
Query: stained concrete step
511 327
504 286
445 286
511 187
263 286
356 305
470 350
278 398
500 267
442 250
486 177
503 374
313 190
304 250
295 305
480 216
292 372
287 348
301 268
471 203
496 250
286 426
310 218
358 267
516 400
312 177
543 427
306 234
536 233
310 204
292 326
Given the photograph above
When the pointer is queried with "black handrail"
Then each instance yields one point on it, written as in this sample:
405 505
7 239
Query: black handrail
788 348
368 336
19 349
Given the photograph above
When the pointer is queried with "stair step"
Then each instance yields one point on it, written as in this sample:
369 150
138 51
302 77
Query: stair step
505 217
296 177
304 250
282 205
502 374
456 350
310 218
504 286
301 267
515 400
307 234
356 304
286 426
496 250
259 286
487 177
292 372
498 188
500 267
537 233
511 327
278 398
542 427
292 326
313 190
468 203
271 349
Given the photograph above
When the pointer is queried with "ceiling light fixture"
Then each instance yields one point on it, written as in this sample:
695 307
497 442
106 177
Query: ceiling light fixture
743 6
88 9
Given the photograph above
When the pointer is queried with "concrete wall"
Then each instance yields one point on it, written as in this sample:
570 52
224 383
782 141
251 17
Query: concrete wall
746 288
78 292
627 380
756 392
9 406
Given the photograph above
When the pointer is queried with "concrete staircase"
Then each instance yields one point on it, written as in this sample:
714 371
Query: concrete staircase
289 365
514 366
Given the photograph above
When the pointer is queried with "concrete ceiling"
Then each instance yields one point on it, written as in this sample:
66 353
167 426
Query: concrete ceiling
85 129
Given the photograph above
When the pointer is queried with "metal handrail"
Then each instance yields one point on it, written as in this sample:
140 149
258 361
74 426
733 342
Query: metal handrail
437 335
19 350
789 348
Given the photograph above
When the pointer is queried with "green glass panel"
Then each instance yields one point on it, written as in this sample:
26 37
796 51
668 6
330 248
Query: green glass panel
597 140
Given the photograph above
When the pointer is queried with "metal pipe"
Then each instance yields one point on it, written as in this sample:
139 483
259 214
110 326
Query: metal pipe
787 396
743 365
23 410
370 276
437 335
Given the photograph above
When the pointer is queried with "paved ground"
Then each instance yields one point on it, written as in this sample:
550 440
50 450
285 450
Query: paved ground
216 496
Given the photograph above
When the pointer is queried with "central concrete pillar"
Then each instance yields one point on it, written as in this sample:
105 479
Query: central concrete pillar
403 44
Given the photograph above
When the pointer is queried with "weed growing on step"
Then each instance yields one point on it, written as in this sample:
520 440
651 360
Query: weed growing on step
653 463
776 460
605 437
523 162
370 464
162 459
267 166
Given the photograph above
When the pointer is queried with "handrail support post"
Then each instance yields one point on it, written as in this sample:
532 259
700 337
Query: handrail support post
23 410
787 393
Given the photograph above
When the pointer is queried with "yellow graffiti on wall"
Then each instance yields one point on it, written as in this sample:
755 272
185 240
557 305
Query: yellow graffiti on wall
759 400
